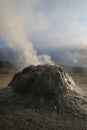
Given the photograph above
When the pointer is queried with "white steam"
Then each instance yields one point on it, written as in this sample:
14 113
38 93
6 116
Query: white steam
13 32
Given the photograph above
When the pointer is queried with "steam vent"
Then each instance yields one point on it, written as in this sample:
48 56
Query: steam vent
46 87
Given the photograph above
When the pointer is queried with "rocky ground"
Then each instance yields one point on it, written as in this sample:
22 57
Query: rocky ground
17 116
36 120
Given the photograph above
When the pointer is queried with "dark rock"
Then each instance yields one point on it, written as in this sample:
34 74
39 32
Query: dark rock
49 87
39 79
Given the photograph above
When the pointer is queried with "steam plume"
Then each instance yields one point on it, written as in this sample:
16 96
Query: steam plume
13 32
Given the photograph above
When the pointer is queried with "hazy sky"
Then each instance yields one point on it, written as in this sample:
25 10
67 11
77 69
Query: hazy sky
48 23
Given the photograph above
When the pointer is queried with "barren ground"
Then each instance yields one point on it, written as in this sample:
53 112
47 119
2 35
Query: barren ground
40 120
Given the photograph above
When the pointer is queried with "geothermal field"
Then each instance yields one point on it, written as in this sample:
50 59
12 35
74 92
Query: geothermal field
43 97
43 65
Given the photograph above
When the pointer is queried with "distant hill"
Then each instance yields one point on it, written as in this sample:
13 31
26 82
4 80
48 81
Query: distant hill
6 64
7 54
63 56
67 56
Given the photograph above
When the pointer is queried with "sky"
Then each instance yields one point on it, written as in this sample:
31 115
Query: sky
46 23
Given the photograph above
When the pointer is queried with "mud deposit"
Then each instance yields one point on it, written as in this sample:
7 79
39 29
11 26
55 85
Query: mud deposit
43 97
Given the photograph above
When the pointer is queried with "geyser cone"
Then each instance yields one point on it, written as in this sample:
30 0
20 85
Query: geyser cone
49 87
